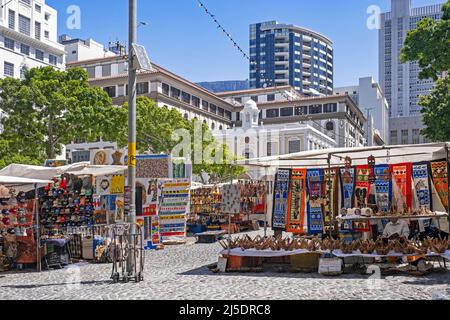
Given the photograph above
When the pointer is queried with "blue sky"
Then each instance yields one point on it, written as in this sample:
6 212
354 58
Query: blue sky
182 38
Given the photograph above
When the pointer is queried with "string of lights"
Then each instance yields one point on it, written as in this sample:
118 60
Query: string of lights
258 70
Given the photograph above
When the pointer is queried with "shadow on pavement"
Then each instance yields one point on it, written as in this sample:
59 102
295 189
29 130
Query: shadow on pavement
35 286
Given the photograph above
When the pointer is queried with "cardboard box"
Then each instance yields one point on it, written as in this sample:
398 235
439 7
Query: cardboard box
330 266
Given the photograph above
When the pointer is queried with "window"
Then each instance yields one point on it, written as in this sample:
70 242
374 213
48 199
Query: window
24 25
287 112
47 16
9 43
39 55
294 146
52 59
186 97
205 105
416 136
37 30
24 49
270 97
47 34
330 107
330 126
272 113
315 109
142 88
301 111
8 69
394 138
12 19
38 8
111 91
239 100
213 108
106 70
175 93
91 72
165 89
269 149
27 2
405 134
228 114
221 112
238 116
196 101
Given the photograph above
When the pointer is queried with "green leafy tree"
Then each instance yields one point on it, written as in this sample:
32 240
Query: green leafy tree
50 108
155 127
429 44
8 157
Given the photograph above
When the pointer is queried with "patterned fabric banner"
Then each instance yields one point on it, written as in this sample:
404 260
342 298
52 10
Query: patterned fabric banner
422 185
401 176
281 199
362 186
439 172
296 202
316 193
383 187
347 177
331 209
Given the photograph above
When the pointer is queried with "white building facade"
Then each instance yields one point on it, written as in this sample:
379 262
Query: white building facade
371 100
79 50
28 37
400 82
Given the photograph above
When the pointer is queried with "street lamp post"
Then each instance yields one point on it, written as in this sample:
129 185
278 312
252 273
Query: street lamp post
132 36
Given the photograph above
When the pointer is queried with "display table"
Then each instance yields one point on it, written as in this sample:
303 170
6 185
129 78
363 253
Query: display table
410 217
210 236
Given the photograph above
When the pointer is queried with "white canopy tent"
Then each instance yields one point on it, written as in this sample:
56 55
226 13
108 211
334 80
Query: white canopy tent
45 173
336 157
15 181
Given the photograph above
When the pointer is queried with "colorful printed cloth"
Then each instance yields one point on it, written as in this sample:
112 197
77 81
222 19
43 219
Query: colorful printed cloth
362 186
347 178
280 202
439 172
297 202
383 187
422 185
331 208
401 176
315 200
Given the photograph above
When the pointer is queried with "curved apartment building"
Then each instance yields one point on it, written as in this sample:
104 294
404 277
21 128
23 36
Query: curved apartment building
283 54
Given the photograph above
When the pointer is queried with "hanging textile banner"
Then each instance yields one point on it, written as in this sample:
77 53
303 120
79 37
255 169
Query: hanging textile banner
281 199
172 208
315 201
296 202
362 186
422 185
401 176
347 177
331 209
439 171
383 187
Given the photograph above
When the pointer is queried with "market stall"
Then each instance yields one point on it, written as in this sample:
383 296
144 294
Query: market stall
19 222
347 193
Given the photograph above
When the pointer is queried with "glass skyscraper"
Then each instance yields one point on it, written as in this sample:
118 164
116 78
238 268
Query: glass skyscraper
283 54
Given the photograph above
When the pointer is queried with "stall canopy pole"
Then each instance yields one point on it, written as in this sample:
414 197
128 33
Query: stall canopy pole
229 214
447 152
329 196
37 229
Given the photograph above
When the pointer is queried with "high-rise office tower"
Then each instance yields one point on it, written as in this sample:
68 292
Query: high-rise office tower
400 82
283 54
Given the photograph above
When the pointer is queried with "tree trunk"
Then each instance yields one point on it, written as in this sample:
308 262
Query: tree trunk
50 147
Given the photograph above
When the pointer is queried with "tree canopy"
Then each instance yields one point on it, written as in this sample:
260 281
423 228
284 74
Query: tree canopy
51 108
429 44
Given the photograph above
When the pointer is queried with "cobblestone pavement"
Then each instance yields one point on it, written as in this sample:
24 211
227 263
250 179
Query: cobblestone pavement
180 272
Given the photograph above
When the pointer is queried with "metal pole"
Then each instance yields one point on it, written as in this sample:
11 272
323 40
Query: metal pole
38 230
229 214
329 197
132 37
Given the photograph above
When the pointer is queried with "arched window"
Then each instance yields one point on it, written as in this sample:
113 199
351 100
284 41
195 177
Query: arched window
186 116
213 126
220 128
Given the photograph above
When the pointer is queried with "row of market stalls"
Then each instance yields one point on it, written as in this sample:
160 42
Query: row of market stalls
68 213
347 196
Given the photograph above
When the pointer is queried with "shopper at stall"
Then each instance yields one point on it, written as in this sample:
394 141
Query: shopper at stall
396 229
